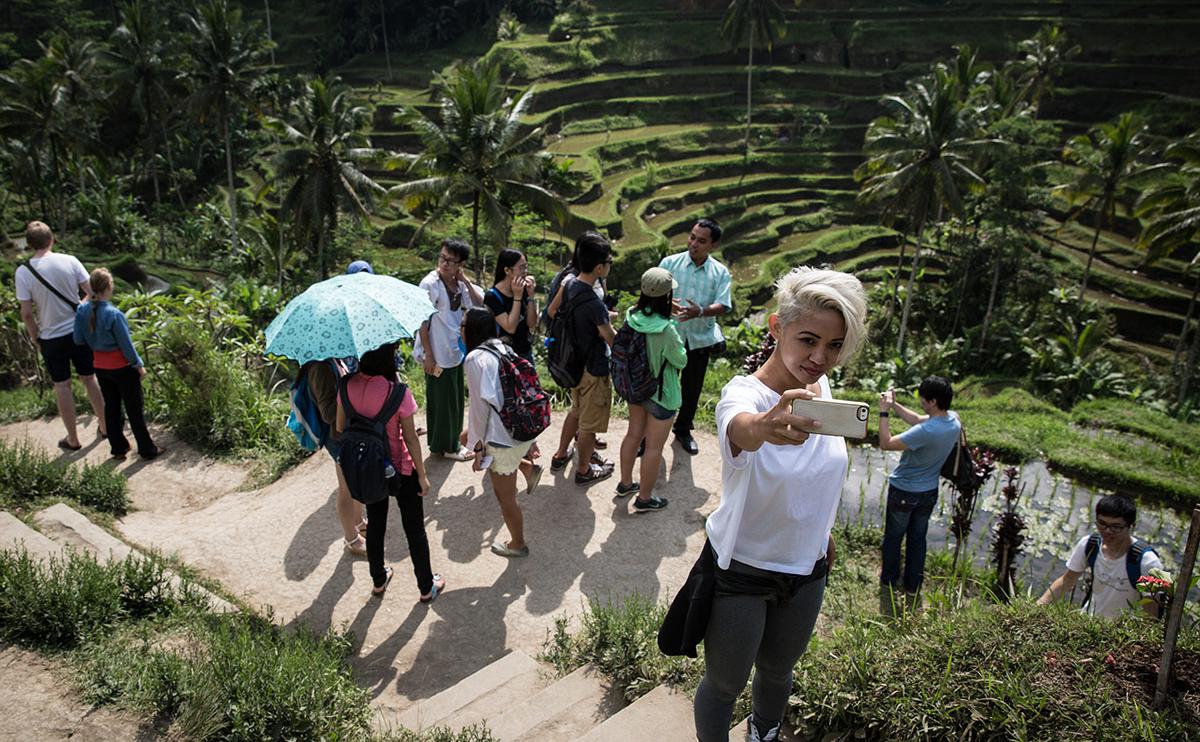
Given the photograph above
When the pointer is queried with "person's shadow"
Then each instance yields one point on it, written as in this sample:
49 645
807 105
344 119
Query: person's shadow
472 624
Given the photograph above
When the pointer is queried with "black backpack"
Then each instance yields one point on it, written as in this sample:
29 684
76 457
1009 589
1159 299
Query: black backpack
365 457
959 468
563 357
1133 563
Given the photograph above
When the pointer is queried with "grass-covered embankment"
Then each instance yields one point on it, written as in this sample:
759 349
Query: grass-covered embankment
963 668
137 640
30 479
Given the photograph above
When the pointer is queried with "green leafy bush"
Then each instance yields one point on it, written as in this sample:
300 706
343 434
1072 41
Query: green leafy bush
28 474
60 602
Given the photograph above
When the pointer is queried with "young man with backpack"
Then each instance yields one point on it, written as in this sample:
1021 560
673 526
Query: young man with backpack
1110 560
52 282
647 356
578 356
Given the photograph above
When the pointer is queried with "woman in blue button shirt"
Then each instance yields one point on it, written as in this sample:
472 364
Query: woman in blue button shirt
119 368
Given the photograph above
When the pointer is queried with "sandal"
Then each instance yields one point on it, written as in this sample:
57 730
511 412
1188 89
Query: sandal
362 527
558 463
66 445
601 444
594 474
357 547
439 584
379 591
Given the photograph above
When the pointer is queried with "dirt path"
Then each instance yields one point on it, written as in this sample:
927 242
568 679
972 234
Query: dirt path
280 548
181 479
37 702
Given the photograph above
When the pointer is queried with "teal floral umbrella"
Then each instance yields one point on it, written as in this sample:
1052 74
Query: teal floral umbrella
347 315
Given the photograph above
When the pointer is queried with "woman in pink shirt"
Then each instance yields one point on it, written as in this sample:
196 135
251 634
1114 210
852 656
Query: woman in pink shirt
368 391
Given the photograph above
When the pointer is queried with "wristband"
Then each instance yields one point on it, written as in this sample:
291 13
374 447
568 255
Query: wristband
883 414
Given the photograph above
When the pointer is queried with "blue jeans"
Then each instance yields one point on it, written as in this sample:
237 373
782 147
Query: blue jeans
907 516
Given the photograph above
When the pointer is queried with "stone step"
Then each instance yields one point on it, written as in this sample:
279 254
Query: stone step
566 709
504 697
70 527
15 535
494 680
662 715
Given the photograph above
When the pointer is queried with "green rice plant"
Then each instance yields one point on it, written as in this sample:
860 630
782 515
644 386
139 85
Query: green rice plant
28 475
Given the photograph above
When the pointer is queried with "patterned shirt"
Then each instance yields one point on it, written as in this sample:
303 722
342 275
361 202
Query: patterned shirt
707 284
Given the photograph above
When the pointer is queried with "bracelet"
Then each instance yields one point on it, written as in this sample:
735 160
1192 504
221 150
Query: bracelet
883 414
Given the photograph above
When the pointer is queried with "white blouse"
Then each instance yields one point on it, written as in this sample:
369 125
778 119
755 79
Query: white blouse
778 503
482 370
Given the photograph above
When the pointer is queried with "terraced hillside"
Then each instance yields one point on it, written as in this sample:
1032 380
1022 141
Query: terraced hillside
648 107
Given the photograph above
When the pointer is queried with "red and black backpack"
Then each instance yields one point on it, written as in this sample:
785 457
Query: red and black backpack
526 409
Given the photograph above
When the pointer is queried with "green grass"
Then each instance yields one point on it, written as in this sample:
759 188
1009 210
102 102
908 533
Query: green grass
965 668
140 641
30 479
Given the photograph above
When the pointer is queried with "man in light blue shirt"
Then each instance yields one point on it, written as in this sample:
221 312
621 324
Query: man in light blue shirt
702 296
913 485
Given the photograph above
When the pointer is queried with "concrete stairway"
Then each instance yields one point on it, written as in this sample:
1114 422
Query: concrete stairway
61 528
515 699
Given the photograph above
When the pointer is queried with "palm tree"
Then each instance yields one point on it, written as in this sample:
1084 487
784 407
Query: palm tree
143 75
225 53
752 20
1172 207
1107 157
325 145
30 115
1041 61
920 162
477 153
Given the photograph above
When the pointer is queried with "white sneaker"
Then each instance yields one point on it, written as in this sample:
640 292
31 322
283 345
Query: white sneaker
462 454
772 734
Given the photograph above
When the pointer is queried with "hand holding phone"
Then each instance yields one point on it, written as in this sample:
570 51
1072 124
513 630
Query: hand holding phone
837 417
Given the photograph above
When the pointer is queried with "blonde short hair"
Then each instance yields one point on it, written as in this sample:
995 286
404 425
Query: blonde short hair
38 236
806 289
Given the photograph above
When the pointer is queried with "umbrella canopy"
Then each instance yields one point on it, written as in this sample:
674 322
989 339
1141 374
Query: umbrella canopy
347 316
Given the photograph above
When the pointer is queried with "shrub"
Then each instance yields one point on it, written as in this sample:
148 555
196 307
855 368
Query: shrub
60 602
28 474
255 681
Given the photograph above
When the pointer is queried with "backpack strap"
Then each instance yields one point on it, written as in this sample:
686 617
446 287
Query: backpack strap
499 353
72 304
1091 551
1133 560
393 402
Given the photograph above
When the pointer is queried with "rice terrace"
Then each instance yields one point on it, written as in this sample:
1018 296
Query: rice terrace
223 220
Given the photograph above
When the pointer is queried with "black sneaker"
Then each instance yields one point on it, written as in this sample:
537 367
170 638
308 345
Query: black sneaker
622 490
654 503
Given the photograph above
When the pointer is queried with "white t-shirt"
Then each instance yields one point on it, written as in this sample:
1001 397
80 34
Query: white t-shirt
444 326
1111 591
777 503
482 370
65 273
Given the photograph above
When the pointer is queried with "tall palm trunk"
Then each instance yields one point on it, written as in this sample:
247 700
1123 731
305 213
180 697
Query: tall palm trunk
387 54
270 38
749 108
233 230
148 104
899 271
475 236
1087 268
987 316
908 291
1187 322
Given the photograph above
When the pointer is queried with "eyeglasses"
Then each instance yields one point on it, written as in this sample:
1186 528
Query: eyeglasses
1111 527
443 258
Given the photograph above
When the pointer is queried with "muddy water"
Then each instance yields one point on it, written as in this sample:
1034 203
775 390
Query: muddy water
1057 511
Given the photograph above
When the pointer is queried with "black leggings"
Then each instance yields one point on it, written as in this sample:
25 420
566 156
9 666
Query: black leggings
407 492
123 386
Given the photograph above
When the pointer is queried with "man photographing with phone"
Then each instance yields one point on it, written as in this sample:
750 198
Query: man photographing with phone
913 484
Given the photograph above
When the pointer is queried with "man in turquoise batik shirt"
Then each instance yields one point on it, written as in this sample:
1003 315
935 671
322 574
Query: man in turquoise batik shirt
702 296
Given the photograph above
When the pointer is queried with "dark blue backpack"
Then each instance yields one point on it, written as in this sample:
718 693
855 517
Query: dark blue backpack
365 457
1133 561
